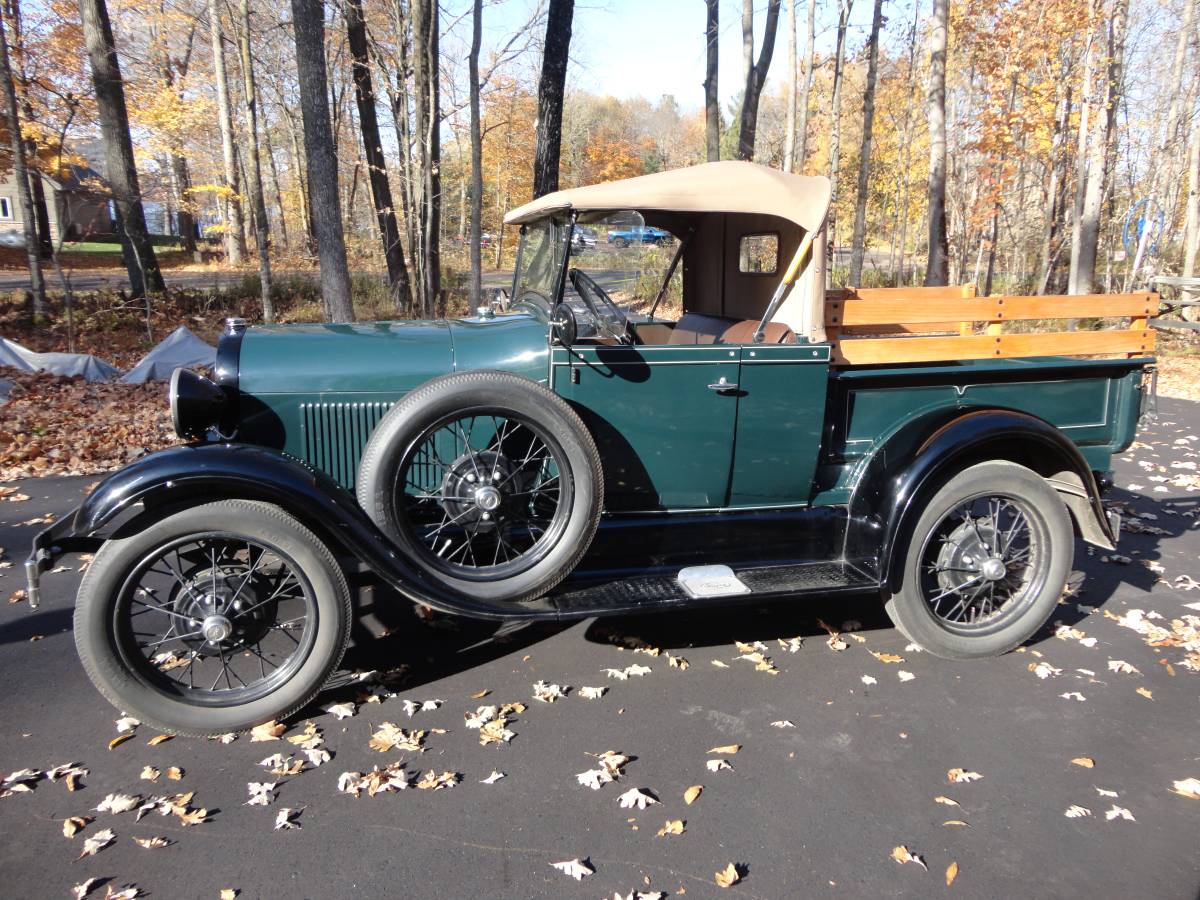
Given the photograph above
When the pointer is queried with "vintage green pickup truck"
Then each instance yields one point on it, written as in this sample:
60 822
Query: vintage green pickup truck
571 452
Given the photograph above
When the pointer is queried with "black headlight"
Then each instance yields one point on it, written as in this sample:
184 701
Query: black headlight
196 404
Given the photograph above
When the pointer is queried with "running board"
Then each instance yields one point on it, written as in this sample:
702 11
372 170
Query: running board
644 593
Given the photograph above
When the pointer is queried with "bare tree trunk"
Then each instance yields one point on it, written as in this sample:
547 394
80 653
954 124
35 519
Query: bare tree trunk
16 47
37 281
937 270
476 238
809 50
309 24
300 171
898 277
835 138
1087 101
368 123
235 246
550 96
262 225
1056 191
144 275
756 75
712 99
428 121
859 238
789 138
1099 152
283 229
1191 237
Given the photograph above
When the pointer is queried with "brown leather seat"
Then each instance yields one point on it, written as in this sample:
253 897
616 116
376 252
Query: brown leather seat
694 328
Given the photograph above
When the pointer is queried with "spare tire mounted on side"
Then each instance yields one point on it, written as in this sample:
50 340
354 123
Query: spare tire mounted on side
488 481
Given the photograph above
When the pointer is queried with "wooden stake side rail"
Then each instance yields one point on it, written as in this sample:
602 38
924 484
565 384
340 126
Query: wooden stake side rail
854 319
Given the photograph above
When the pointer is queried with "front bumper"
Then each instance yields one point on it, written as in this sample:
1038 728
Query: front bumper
48 545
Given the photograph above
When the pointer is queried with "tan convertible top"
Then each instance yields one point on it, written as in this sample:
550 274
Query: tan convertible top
730 186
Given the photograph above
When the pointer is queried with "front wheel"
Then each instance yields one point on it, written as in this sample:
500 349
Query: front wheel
213 619
986 563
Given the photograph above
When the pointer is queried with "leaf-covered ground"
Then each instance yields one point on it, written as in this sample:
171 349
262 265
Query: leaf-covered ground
793 750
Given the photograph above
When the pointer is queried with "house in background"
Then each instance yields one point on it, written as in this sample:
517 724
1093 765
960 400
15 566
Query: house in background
78 205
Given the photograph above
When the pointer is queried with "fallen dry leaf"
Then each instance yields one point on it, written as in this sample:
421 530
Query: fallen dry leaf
341 710
636 797
79 891
493 778
945 801
691 794
728 876
228 894
159 739
592 693
672 826
152 843
1146 692
1077 812
902 855
285 819
962 776
1188 787
119 740
578 869
432 781
952 823
97 842
118 803
1086 761
74 824
1119 812
267 731
727 750
716 765
261 793
390 737
951 873
886 657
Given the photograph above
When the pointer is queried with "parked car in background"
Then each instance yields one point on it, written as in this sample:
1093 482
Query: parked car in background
638 234
583 238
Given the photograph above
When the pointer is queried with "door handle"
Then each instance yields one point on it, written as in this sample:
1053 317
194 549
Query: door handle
722 385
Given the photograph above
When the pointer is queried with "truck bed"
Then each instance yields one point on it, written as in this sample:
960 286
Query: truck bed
870 326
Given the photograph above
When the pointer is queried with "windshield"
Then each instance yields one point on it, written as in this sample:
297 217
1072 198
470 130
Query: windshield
539 262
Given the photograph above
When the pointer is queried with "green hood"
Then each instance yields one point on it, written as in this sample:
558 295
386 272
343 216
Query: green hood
385 357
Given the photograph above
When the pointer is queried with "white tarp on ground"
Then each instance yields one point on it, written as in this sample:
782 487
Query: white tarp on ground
92 368
180 348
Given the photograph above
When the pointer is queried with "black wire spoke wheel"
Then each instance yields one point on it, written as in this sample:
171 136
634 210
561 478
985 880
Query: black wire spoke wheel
483 494
215 619
983 563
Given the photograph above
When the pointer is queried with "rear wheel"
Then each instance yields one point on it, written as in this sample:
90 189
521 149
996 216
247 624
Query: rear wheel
488 481
213 619
986 563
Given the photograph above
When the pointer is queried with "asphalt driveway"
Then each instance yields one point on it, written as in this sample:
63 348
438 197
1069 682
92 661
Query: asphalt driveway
842 754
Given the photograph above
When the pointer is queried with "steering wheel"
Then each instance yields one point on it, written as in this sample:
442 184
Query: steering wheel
613 320
533 298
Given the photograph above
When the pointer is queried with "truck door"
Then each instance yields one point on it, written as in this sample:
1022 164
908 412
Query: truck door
781 412
663 418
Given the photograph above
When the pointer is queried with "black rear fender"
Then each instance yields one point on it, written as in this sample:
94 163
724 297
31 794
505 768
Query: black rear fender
907 469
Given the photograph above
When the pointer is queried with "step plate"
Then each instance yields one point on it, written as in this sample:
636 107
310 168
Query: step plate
711 581
633 592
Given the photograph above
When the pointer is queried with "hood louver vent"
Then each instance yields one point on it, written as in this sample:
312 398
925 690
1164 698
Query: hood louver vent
335 435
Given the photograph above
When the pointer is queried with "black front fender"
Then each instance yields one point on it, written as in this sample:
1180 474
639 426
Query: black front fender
201 473
889 496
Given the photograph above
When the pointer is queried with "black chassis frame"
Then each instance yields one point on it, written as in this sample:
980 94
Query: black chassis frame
866 538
